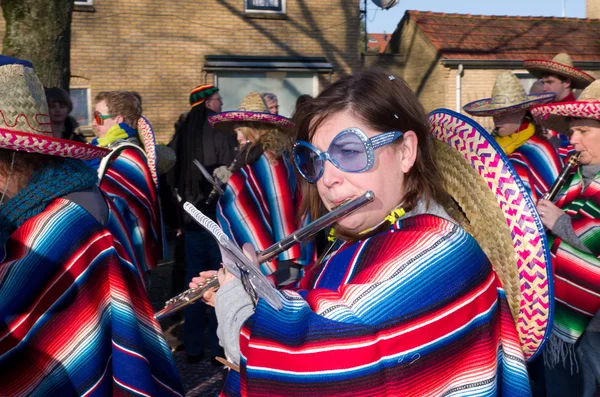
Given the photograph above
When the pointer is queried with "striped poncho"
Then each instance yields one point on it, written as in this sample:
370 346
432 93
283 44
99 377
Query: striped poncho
415 311
129 183
577 274
260 206
538 164
75 317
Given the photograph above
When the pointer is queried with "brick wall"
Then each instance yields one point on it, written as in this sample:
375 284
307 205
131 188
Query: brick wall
157 47
411 56
592 9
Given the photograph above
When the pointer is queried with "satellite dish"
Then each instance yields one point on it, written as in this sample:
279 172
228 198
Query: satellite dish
386 4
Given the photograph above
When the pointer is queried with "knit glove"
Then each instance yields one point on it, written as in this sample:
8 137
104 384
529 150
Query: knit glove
222 173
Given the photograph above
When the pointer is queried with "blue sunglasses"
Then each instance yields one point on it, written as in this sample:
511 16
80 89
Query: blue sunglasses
350 151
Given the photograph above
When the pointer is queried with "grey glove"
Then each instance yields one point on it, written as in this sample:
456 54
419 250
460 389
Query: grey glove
222 173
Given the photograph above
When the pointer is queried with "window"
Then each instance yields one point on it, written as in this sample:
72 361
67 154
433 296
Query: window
274 6
82 104
84 2
288 86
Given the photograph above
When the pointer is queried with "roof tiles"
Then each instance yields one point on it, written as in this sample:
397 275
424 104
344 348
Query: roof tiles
480 37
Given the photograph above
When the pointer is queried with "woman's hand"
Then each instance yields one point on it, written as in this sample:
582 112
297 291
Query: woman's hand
209 295
549 213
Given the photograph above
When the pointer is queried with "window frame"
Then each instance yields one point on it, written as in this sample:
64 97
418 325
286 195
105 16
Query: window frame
88 90
83 2
264 10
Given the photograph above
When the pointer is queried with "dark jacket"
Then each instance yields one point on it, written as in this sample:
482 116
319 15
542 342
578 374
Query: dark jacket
197 140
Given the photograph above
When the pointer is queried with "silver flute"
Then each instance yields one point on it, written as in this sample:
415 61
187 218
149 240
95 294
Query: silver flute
191 295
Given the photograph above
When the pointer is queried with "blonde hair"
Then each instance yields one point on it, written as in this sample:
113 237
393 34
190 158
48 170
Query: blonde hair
270 138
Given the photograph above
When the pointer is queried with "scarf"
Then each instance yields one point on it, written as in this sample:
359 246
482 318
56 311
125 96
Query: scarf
115 133
45 185
511 142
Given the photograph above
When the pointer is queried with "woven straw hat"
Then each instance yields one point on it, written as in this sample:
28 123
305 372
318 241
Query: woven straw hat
555 115
25 123
252 110
502 218
508 96
562 65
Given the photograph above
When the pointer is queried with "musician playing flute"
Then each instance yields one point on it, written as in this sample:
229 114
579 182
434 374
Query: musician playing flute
572 360
533 156
262 198
404 302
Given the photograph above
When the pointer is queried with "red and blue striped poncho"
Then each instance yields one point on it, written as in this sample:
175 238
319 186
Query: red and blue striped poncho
260 206
129 183
415 311
538 164
577 274
76 319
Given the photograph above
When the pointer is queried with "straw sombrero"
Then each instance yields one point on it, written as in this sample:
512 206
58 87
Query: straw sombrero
502 217
508 96
25 123
554 115
252 110
562 65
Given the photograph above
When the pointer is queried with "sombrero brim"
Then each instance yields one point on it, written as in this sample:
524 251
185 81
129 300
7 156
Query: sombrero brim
539 67
146 133
43 144
485 107
503 220
224 121
554 116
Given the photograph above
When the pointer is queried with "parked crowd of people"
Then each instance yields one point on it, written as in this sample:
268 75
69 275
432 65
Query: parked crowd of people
462 276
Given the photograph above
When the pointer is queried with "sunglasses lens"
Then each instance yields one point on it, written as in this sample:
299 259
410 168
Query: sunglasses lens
349 152
98 119
308 162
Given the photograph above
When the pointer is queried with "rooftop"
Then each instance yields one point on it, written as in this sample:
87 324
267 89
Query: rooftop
483 37
378 41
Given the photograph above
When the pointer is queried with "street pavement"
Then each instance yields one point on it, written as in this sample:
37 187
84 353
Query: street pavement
199 379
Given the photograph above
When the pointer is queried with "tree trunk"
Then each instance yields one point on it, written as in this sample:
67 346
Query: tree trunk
40 31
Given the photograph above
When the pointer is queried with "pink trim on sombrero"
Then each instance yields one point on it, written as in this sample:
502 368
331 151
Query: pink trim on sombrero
532 264
545 65
472 107
147 134
239 116
552 113
44 144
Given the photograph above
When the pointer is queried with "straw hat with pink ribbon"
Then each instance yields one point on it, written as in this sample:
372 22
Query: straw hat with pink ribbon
561 65
508 96
24 120
555 116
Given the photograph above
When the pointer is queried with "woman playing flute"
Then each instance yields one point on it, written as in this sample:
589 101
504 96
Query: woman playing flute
404 302
572 361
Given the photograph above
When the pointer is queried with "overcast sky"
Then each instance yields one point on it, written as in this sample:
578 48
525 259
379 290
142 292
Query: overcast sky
380 20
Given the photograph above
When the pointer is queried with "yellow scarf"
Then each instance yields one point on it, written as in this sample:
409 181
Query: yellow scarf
512 142
114 134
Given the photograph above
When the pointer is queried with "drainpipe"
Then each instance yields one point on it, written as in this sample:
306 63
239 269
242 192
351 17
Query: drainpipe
459 73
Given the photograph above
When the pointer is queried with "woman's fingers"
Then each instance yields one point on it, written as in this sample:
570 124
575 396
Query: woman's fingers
197 281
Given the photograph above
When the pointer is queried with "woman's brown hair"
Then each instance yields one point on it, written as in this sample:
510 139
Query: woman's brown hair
384 103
